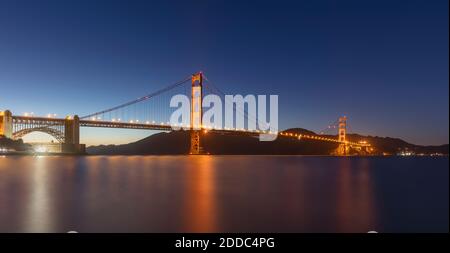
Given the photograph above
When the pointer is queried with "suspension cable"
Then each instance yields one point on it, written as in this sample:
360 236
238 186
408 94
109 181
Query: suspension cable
333 125
241 110
140 99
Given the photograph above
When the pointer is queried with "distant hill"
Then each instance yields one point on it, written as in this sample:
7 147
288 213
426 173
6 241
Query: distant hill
177 142
393 145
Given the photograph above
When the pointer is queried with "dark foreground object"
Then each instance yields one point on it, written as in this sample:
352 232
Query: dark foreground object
285 242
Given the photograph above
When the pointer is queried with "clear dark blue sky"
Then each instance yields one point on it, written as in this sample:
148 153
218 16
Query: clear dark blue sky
382 63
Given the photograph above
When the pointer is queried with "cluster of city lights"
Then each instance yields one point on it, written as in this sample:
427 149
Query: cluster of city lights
4 150
40 149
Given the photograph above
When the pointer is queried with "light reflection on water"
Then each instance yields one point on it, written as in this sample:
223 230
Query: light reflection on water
222 194
354 193
38 211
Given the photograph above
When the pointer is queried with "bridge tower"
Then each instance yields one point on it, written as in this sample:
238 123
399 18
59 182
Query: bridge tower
196 113
342 131
72 135
6 124
72 130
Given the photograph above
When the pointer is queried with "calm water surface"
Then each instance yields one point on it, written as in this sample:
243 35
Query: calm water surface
223 194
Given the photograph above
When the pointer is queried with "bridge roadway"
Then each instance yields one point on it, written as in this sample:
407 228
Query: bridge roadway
166 127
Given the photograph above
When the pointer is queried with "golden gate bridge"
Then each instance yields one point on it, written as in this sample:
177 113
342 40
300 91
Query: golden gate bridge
151 112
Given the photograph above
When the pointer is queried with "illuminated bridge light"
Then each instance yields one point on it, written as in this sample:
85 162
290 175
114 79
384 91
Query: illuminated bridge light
40 149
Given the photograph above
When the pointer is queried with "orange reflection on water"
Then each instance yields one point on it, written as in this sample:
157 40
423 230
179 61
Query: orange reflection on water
355 198
200 207
39 214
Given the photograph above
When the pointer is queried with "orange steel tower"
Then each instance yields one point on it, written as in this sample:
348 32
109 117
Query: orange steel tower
196 112
342 150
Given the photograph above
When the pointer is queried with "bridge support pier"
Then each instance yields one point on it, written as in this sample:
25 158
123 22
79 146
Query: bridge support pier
342 149
72 130
72 136
6 124
195 143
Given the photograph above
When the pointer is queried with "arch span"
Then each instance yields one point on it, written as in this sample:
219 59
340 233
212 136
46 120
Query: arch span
57 134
